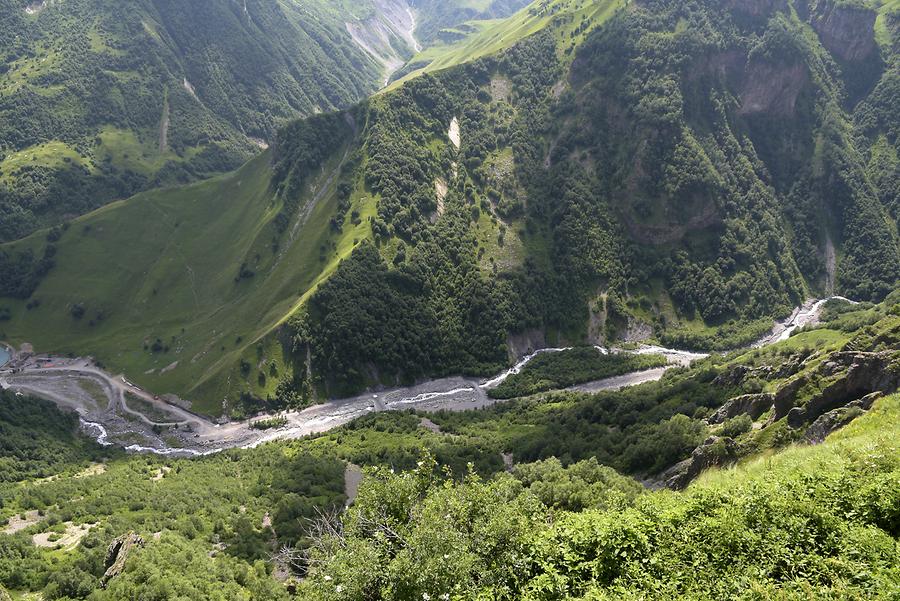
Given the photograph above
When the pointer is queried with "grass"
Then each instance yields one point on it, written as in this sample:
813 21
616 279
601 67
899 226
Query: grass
52 154
22 71
125 150
874 435
162 266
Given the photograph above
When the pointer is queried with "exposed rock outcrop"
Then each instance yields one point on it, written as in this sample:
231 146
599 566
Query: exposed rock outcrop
848 376
846 31
117 554
771 88
786 397
838 418
525 343
713 452
842 387
753 405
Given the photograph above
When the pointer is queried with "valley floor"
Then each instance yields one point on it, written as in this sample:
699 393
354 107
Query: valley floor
117 412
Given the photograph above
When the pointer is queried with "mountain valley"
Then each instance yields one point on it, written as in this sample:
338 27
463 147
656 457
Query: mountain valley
474 299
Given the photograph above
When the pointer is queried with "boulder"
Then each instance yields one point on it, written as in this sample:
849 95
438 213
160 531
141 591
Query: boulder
733 376
796 417
753 405
836 419
713 452
117 554
786 397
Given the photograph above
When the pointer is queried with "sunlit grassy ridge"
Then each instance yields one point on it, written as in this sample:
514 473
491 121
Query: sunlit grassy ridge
571 20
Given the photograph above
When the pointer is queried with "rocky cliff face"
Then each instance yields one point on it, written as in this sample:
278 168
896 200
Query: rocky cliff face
847 32
814 404
771 88
844 378
753 405
117 554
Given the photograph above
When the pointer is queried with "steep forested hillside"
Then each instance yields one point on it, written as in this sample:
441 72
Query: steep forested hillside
668 170
100 99
689 170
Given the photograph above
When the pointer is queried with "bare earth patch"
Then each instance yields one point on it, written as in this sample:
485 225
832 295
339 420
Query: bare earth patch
454 133
168 368
440 188
94 469
429 425
352 477
160 473
69 539
501 88
20 522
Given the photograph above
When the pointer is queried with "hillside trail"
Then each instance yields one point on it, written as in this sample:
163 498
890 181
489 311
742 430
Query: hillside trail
45 376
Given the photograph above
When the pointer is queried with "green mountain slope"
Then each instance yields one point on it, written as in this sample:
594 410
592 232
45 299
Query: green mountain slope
186 278
771 516
683 173
441 20
99 100
569 20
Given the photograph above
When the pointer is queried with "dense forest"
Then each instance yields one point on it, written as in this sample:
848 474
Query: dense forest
38 440
554 371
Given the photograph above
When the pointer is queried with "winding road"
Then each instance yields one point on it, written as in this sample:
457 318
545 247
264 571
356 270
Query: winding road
112 421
